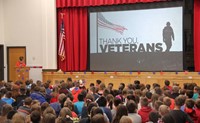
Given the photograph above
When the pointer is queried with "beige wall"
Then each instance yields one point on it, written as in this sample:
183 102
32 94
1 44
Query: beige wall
2 39
1 23
31 23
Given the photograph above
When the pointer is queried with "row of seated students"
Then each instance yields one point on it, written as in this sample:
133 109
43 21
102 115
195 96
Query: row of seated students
72 102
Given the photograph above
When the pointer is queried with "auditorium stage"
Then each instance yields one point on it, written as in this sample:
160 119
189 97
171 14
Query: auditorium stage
126 77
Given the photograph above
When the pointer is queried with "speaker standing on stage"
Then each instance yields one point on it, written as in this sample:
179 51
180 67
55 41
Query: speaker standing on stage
21 63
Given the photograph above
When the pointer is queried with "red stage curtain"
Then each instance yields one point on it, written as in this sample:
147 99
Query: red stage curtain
197 34
75 21
82 3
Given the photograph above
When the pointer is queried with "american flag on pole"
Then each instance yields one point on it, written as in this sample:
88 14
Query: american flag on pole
61 49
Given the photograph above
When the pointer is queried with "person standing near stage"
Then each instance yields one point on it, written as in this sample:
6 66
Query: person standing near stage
20 63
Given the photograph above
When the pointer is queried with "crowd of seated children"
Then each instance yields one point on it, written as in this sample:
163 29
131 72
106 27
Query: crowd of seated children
71 102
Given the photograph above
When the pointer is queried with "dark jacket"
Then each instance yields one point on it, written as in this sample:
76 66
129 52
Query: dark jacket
38 96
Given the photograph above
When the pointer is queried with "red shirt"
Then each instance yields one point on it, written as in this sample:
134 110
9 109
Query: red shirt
192 114
54 98
74 114
75 92
172 104
20 64
198 113
144 113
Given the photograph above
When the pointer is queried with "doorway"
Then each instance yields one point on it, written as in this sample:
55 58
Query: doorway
1 62
13 56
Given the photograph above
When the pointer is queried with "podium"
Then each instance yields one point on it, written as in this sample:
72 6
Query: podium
22 73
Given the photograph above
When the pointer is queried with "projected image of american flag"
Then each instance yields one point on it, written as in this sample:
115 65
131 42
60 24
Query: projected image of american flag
104 23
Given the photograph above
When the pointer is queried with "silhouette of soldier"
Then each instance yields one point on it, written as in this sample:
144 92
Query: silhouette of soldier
168 35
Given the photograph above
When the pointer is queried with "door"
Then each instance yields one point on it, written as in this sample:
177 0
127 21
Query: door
1 63
13 56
